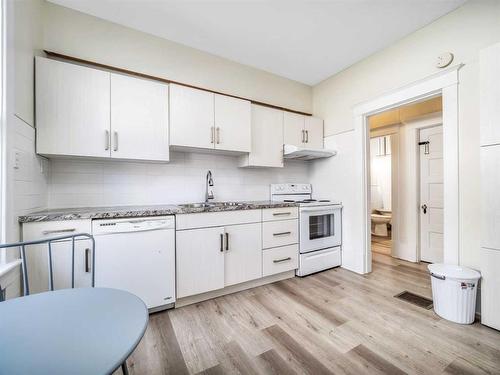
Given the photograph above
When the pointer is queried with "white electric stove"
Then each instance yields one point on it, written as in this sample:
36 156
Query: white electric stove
320 232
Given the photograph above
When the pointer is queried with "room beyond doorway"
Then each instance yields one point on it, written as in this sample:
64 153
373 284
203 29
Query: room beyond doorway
406 207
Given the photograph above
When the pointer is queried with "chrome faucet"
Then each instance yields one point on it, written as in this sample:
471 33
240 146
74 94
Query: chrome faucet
209 182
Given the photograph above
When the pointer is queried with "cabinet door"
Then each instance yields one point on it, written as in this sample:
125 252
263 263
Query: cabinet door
200 260
267 138
490 95
314 132
243 249
139 119
490 285
37 262
72 109
191 117
293 129
232 124
490 199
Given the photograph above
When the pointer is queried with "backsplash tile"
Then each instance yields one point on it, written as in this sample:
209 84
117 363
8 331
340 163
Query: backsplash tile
76 183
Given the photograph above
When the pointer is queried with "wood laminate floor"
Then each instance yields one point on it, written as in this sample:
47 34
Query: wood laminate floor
382 245
334 322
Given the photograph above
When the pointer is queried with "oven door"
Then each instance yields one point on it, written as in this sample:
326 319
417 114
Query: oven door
320 228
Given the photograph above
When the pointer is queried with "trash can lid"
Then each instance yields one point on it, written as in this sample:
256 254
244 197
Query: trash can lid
454 272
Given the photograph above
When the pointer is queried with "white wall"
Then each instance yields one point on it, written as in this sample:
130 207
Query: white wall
463 32
73 33
94 183
26 174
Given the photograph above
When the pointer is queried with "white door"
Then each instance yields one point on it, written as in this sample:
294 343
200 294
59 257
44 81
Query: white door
139 119
191 117
243 249
293 129
267 137
232 124
142 263
314 132
72 109
200 260
431 195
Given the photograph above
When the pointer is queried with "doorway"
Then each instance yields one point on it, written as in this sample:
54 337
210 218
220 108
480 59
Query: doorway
406 182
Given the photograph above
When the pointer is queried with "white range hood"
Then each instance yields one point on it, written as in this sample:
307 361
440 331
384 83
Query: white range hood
299 153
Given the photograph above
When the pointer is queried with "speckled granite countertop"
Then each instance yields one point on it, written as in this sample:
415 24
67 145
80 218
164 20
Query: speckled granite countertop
138 211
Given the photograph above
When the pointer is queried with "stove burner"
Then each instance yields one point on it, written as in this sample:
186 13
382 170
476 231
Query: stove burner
324 200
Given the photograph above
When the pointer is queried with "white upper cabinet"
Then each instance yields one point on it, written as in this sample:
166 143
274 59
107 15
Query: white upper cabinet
87 112
490 95
232 124
72 109
313 132
302 131
201 119
139 119
191 117
267 138
293 129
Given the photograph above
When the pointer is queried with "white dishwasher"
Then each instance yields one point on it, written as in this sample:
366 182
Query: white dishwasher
137 255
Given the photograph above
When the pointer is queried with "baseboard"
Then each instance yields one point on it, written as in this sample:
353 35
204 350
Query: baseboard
234 288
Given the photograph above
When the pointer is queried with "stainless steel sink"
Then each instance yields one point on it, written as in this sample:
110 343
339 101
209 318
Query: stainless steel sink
211 204
227 204
196 205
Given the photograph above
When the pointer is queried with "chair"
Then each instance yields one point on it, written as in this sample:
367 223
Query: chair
22 245
49 241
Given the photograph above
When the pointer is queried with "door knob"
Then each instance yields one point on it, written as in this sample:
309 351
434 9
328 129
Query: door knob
424 208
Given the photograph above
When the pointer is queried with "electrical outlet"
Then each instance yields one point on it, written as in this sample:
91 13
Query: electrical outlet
17 160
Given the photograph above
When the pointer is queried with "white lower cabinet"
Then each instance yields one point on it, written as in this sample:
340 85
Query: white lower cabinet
37 255
200 260
490 285
243 253
213 258
280 259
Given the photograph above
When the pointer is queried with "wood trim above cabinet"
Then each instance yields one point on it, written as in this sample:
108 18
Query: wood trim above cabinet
142 75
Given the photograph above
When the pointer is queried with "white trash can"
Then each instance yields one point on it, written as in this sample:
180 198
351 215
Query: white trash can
454 290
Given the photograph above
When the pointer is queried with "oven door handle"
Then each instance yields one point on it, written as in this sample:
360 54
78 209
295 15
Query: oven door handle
328 209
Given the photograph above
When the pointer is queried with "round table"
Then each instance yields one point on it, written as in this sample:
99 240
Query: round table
70 331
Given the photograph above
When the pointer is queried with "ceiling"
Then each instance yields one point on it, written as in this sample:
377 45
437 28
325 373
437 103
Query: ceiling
304 40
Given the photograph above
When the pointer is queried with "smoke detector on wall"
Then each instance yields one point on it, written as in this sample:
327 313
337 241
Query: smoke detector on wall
444 60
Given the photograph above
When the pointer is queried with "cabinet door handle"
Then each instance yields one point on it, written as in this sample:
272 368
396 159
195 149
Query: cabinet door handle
282 213
218 134
106 133
221 243
307 136
303 136
282 234
227 241
116 141
87 260
67 230
212 132
281 260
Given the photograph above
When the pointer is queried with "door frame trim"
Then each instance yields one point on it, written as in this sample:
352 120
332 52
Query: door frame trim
444 83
